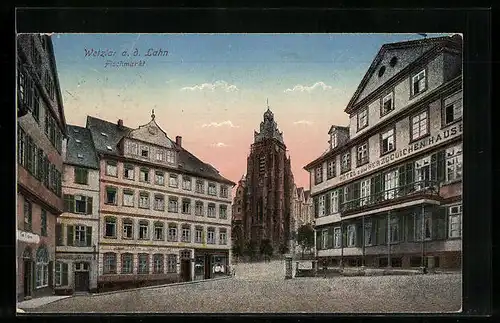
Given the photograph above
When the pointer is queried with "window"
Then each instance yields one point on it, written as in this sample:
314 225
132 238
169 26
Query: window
143 262
61 278
127 263
199 235
159 203
159 231
186 233
198 208
173 180
78 204
132 148
368 232
172 232
333 140
337 235
422 173
144 151
160 155
387 142
199 186
222 211
170 156
455 221
391 181
42 267
331 170
173 204
81 176
345 166
159 178
111 195
59 235
394 229
324 239
157 264
212 189
172 263
110 227
211 236
223 191
21 139
322 205
128 229
144 200
362 154
426 226
111 168
419 125
334 202
211 210
452 110
186 206
222 236
143 230
362 119
128 171
80 236
109 260
28 208
418 83
388 103
454 163
144 175
318 178
128 197
351 235
365 192
186 183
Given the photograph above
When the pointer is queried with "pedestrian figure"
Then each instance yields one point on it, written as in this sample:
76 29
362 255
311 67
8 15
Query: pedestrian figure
325 267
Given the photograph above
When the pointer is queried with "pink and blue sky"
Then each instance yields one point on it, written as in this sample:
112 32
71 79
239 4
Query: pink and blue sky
212 89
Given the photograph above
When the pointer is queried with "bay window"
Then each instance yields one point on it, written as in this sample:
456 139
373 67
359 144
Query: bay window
454 163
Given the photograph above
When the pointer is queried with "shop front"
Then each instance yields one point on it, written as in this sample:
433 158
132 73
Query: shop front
211 264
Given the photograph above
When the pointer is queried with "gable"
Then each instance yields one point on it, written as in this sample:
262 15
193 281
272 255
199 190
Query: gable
403 58
151 133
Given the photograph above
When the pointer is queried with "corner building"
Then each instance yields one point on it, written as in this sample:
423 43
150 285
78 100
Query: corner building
41 127
165 215
388 193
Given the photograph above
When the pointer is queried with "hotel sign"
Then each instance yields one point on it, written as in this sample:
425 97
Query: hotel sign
409 150
27 237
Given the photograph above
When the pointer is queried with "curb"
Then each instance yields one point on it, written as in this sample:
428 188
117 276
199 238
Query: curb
156 286
28 309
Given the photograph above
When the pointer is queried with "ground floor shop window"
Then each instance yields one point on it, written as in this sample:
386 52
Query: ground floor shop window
158 264
127 262
172 263
219 265
143 264
42 267
61 278
455 221
109 263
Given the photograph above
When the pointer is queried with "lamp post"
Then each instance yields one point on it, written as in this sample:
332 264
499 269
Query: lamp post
363 232
389 262
422 237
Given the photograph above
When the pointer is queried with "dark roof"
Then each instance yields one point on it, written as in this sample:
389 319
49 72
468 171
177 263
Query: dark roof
79 142
344 128
107 135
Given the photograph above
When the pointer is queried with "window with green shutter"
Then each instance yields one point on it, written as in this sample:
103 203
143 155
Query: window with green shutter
316 207
441 166
59 235
81 176
40 168
439 223
69 203
327 203
89 204
89 236
64 274
43 223
69 235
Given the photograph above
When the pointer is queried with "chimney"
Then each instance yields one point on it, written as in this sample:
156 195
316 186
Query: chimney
178 141
120 123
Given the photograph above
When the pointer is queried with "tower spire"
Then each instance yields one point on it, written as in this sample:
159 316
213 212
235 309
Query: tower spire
267 103
153 114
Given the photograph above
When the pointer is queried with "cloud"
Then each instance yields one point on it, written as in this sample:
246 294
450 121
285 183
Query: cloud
219 145
217 85
228 123
306 122
309 89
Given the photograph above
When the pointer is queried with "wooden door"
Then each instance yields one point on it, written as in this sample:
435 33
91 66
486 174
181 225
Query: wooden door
82 281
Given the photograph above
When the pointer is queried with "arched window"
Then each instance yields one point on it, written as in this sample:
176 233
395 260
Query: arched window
28 253
42 267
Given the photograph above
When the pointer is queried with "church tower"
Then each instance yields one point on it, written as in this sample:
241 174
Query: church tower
268 187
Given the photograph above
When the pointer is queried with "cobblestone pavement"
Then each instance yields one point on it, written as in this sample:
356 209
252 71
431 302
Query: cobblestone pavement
261 288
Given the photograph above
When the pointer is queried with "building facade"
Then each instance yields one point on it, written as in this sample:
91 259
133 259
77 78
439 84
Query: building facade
239 201
389 190
77 229
268 189
301 212
41 127
165 215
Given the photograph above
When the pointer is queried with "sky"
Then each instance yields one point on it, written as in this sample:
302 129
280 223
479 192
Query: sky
213 89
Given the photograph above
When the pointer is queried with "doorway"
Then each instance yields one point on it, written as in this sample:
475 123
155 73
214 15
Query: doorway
186 265
28 281
82 282
208 266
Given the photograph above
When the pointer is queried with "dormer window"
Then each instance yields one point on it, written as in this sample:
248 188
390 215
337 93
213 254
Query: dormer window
109 148
80 156
104 134
387 103
418 83
78 141
362 119
333 140
318 175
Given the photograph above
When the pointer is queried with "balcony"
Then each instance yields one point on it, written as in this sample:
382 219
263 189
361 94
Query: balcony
416 190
